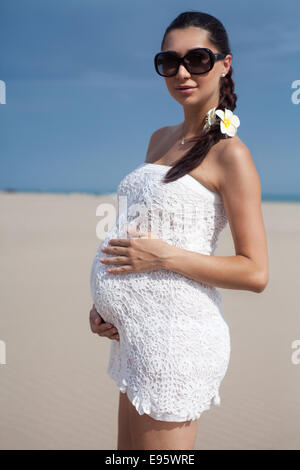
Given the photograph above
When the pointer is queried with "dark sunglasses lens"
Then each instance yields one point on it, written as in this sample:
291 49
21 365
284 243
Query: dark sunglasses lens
166 64
197 62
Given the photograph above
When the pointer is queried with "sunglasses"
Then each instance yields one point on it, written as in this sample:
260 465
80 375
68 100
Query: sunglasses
196 61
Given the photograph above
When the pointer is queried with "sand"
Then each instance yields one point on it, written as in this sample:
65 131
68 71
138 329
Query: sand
55 393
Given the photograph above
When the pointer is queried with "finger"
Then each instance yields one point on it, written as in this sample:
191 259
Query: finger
119 241
115 337
112 333
109 333
115 260
115 250
125 268
104 327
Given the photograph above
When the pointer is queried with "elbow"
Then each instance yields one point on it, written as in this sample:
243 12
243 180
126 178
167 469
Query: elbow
260 282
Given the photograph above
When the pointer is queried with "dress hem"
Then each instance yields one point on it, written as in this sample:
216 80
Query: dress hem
142 408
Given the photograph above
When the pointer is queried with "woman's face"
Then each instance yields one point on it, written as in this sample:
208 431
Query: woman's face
206 85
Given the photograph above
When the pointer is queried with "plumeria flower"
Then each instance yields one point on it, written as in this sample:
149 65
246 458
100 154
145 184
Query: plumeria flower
210 119
229 122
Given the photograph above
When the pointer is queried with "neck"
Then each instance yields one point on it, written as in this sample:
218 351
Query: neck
194 119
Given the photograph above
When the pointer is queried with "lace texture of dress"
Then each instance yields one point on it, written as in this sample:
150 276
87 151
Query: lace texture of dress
174 346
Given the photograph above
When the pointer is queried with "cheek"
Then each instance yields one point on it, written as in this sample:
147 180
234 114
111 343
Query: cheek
170 86
172 91
207 84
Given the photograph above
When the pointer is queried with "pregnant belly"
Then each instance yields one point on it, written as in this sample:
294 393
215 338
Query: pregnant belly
130 301
123 298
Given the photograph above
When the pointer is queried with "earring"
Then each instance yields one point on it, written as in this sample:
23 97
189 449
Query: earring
223 74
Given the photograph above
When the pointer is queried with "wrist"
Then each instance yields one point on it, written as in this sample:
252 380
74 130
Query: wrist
166 259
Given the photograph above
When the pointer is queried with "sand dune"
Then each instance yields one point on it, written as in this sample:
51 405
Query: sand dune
55 393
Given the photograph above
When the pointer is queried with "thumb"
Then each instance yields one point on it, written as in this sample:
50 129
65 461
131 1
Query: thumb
95 316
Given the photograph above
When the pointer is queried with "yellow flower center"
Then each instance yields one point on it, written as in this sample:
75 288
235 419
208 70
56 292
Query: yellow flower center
226 122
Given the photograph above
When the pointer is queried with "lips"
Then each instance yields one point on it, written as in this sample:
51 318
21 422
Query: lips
184 87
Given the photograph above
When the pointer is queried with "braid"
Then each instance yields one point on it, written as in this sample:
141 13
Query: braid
227 96
203 143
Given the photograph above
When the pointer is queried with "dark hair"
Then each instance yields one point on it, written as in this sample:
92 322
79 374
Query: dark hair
217 35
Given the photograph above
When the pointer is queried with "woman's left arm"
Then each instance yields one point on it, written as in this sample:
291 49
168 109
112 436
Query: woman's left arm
239 185
240 188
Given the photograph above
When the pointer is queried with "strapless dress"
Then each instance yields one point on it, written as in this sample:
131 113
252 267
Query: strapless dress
174 346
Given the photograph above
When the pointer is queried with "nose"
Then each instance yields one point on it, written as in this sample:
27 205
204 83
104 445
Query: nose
182 71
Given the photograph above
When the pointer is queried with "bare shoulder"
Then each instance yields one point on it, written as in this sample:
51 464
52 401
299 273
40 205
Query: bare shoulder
235 166
234 147
156 139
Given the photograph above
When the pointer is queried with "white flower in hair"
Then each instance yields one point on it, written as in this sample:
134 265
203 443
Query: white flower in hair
210 119
229 122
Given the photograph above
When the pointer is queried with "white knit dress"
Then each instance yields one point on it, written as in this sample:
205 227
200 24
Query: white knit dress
174 346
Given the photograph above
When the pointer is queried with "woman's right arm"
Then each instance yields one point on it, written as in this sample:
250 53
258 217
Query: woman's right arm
101 328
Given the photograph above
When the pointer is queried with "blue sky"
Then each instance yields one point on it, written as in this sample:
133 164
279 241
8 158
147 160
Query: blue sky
83 98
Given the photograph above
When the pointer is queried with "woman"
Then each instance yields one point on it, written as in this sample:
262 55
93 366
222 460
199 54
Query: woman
158 295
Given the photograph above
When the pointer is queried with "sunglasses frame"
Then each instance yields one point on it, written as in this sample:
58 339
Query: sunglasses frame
214 56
